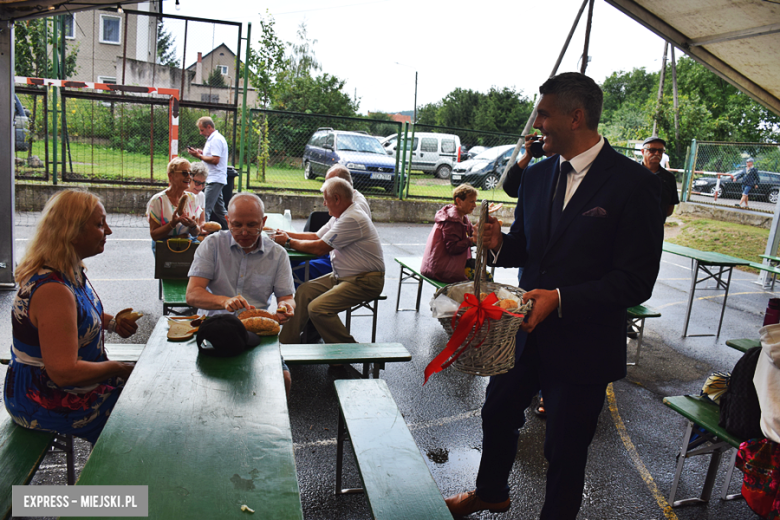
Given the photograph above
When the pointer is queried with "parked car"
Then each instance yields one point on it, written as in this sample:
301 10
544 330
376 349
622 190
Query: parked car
483 171
21 120
768 186
361 153
473 152
430 152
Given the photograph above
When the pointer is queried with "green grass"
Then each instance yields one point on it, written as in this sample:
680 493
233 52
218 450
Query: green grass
99 163
732 239
102 163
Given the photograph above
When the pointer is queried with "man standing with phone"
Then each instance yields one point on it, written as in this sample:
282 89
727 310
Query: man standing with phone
214 154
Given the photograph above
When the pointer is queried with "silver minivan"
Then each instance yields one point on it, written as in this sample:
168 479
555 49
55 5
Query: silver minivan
431 152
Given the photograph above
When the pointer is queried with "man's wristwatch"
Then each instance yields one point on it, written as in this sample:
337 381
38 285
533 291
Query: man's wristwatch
287 244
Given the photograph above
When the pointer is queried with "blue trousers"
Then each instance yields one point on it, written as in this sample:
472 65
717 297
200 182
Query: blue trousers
572 415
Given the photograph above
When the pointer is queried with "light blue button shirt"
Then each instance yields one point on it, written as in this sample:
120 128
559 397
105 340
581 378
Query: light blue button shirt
255 276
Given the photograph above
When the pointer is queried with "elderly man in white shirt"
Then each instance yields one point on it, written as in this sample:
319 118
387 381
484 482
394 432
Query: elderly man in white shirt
358 267
358 199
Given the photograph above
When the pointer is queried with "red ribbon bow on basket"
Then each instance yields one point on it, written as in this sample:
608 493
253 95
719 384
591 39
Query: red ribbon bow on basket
476 313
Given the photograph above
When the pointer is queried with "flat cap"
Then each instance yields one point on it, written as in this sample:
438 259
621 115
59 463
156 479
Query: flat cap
653 139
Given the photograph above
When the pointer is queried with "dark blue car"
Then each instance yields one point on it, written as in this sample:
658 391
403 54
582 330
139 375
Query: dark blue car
484 170
362 154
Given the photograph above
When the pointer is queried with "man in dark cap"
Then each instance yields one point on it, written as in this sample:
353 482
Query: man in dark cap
653 149
749 181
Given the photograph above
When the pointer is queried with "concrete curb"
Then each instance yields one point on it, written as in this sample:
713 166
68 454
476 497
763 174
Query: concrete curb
133 200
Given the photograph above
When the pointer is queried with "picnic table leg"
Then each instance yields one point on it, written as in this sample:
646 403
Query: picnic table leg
725 492
694 276
398 296
712 472
680 462
340 437
419 294
725 296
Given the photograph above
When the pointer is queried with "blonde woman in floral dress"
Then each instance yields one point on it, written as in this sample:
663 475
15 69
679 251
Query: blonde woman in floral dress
60 378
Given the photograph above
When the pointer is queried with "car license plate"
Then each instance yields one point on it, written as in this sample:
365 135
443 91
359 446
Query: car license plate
382 176
456 177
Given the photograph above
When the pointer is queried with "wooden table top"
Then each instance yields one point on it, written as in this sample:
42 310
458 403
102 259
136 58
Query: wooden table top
704 257
206 434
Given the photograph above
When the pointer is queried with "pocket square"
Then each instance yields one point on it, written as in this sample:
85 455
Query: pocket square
596 212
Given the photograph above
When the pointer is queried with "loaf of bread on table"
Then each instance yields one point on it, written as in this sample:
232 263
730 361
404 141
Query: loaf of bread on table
255 313
211 227
261 326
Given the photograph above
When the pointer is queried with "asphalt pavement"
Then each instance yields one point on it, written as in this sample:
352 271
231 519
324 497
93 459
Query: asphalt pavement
632 459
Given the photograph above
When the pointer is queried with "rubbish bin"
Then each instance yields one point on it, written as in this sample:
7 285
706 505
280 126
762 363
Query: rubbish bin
227 190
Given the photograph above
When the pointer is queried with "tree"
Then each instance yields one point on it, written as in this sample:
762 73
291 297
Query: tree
266 62
457 108
166 50
504 111
33 40
313 95
426 114
216 79
302 61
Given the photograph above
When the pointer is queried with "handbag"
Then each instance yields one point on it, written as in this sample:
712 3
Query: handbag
173 257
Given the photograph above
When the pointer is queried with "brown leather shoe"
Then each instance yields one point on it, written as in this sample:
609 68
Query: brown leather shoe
464 504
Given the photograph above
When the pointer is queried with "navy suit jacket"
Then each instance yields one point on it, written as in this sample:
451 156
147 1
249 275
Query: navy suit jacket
603 256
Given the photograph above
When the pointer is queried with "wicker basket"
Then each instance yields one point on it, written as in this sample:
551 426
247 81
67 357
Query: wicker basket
496 355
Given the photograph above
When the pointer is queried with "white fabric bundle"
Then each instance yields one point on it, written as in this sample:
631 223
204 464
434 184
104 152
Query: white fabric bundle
767 381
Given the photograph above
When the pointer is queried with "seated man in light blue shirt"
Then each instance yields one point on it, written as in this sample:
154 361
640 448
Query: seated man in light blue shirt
241 268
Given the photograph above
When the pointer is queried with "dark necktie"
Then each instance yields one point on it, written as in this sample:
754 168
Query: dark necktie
560 195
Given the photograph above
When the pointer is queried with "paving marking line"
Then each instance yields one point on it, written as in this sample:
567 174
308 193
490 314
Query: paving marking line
412 426
634 454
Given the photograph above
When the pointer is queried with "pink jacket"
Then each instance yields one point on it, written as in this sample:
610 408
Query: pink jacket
448 246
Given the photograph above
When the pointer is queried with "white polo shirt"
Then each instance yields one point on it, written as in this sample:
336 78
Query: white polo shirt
216 146
355 243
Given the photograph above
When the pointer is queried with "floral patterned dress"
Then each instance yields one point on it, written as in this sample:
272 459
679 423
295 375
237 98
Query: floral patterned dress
32 399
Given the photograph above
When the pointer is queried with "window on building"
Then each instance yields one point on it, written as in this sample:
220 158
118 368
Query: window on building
70 26
209 98
110 29
223 69
107 79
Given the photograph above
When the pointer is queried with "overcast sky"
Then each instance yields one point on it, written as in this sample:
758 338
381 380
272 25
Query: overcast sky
451 45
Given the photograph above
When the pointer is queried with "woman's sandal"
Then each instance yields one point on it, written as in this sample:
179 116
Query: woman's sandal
540 410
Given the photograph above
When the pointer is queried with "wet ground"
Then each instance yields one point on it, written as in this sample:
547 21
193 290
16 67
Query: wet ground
632 460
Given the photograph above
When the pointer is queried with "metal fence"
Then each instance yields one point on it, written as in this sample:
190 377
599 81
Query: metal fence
715 172
283 155
106 138
292 151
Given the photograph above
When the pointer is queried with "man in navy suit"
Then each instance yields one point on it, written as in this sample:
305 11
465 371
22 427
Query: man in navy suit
588 233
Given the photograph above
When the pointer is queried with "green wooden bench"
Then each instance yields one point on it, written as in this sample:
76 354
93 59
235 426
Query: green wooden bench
337 353
373 309
410 270
395 477
636 320
21 452
712 439
173 294
743 345
772 269
126 352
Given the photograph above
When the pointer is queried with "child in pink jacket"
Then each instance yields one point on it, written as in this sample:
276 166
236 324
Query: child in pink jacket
450 241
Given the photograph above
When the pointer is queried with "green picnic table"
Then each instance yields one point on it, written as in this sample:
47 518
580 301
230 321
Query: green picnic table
206 435
714 266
